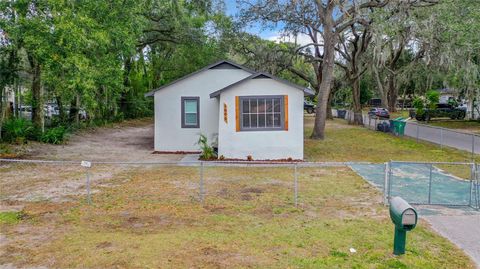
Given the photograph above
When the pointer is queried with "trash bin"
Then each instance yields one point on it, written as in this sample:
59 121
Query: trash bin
392 126
341 113
399 126
383 127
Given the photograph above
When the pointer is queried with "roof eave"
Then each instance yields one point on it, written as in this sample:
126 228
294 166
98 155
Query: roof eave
306 91
152 92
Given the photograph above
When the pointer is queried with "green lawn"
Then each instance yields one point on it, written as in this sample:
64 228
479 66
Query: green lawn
150 217
153 220
345 143
461 125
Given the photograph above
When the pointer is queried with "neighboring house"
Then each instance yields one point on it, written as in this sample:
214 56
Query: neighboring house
241 111
445 95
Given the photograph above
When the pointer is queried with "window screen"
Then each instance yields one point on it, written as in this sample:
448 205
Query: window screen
190 112
261 112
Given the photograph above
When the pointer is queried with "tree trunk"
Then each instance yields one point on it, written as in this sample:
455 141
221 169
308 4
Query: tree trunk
2 107
16 98
357 106
124 105
327 76
61 110
38 118
74 109
392 93
329 106
381 89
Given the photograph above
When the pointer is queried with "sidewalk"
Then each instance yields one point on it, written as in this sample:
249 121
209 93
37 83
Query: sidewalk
461 226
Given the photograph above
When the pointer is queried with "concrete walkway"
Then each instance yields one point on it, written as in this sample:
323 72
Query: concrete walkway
461 226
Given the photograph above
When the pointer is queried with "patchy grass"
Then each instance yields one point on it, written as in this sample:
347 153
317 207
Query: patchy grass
154 220
150 217
345 143
399 113
461 125
10 217
6 151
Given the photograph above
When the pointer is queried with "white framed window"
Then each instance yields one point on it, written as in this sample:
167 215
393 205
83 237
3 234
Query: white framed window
262 113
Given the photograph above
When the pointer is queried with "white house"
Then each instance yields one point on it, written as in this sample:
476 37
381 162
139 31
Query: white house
241 111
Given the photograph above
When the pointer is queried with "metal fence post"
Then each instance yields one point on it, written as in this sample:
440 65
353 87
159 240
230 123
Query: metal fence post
477 187
473 146
385 183
89 197
87 166
430 185
472 185
202 198
295 185
390 178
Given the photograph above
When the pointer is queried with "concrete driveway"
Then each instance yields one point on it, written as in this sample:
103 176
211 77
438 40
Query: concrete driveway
459 225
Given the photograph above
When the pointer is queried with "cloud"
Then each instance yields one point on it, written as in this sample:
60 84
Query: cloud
302 39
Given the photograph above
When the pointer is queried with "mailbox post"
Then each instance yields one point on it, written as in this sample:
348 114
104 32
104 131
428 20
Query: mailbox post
405 218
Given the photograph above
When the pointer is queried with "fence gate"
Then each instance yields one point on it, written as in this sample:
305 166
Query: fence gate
434 183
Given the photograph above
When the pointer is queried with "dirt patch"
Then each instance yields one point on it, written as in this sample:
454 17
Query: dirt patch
130 141
107 144
215 208
252 190
246 197
104 244
39 226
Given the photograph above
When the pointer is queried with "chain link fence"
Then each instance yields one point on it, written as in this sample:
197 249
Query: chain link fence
450 184
425 183
433 183
61 181
443 137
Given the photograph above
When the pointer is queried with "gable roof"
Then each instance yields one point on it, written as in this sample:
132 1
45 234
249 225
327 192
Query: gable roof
223 64
260 75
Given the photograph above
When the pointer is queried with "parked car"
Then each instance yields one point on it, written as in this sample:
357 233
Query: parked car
25 112
442 111
379 113
309 107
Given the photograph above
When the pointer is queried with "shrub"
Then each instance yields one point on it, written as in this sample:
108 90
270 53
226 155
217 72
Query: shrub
18 130
419 106
208 153
249 158
430 101
55 135
433 97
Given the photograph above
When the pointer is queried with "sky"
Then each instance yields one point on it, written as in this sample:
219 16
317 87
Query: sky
265 33
256 29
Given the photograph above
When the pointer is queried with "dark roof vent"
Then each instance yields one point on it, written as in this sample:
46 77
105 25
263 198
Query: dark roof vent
225 66
261 76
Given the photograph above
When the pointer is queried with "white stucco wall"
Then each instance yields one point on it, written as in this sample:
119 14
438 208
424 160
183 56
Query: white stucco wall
169 134
261 144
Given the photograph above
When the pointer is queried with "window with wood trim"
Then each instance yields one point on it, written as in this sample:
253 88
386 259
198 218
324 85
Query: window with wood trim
190 112
262 113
